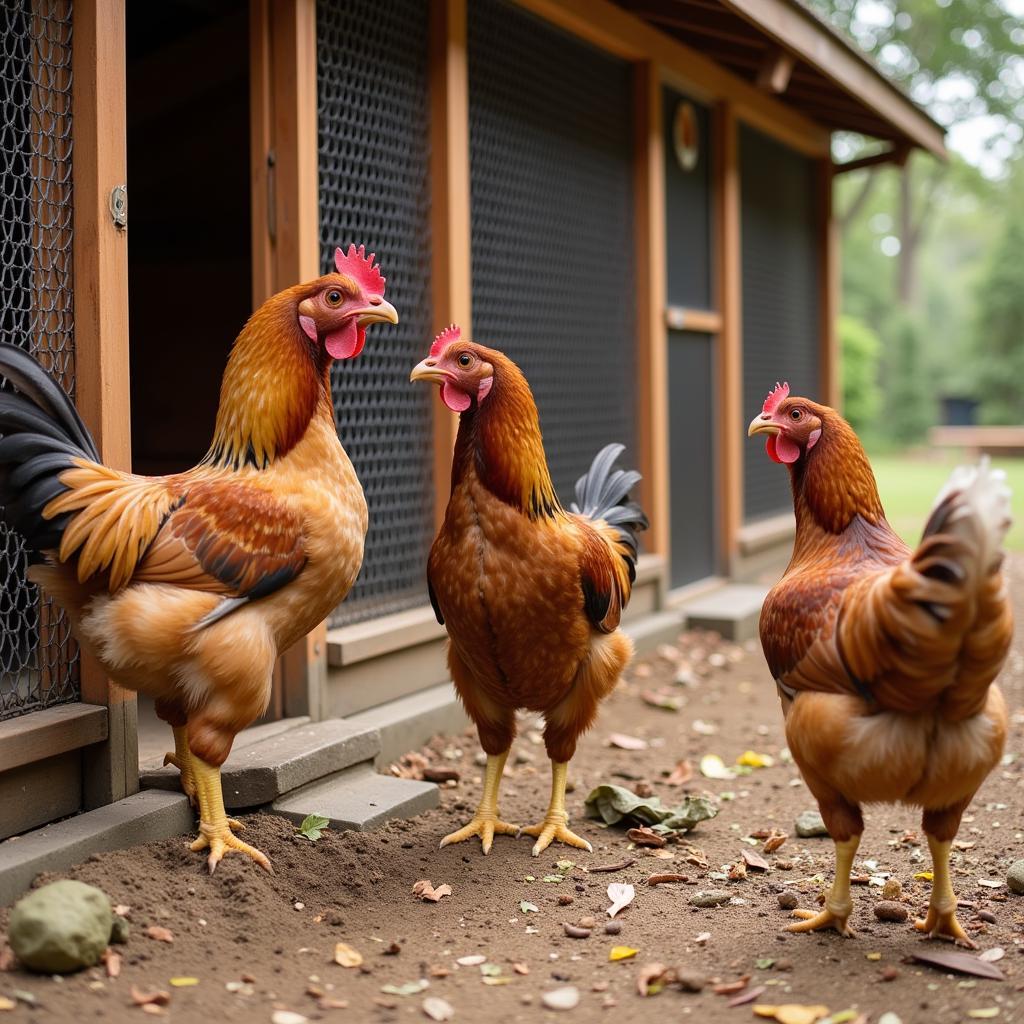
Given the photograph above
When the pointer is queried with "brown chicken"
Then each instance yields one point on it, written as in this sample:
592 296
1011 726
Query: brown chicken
530 593
187 587
885 658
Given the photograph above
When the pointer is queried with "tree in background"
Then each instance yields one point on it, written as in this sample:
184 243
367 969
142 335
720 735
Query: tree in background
999 338
909 390
860 349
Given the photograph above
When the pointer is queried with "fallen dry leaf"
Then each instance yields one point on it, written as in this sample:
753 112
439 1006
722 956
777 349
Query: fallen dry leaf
667 877
153 1010
160 933
731 988
645 837
347 956
425 890
624 742
680 775
792 1013
652 978
621 894
738 872
755 860
157 998
113 963
7 1004
963 963
774 840
747 997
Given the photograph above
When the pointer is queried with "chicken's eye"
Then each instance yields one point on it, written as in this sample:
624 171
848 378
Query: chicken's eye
795 414
465 359
334 297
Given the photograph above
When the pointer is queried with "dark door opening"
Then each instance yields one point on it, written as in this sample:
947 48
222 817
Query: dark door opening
189 241
189 234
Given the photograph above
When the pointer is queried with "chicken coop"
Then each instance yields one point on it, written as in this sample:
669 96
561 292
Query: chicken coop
632 199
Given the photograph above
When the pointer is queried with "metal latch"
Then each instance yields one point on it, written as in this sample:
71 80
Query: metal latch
119 206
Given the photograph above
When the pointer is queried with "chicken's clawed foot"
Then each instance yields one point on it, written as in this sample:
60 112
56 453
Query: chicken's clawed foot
188 782
484 825
942 924
220 840
555 827
813 922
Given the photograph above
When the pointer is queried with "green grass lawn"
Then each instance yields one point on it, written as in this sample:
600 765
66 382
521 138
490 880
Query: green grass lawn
909 482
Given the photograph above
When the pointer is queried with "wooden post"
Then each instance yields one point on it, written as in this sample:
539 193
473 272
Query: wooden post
652 337
285 206
100 252
730 339
452 281
831 356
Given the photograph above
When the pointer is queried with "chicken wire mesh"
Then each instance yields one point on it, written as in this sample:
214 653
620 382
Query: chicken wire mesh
38 657
552 228
374 120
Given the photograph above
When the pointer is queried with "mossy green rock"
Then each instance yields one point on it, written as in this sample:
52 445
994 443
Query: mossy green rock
61 927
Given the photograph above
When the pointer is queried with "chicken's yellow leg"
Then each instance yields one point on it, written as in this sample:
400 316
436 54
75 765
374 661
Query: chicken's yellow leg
941 921
486 822
838 904
556 822
182 760
215 827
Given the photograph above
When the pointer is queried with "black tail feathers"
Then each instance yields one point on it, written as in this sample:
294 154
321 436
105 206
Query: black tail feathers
603 493
40 433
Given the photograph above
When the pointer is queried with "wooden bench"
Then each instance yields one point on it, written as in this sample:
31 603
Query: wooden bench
980 440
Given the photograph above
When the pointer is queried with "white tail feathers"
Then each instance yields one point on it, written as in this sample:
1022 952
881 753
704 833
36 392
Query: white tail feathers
977 506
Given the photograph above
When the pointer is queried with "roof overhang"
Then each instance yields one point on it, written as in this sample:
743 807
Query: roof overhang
784 48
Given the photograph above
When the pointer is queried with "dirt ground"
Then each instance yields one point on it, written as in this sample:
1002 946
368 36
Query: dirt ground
258 944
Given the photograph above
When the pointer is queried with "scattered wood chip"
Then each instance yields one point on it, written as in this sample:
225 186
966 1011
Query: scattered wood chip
112 961
157 997
792 1013
440 775
621 894
347 956
666 877
618 866
738 872
624 742
332 1003
747 997
7 1004
774 840
521 968
425 890
755 860
680 775
731 988
962 963
160 933
645 837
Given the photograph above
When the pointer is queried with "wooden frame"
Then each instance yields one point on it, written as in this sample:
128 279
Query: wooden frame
652 339
726 178
700 321
828 313
451 268
100 254
286 232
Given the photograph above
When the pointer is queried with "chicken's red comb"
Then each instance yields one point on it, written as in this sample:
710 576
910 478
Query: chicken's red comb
357 265
776 395
451 333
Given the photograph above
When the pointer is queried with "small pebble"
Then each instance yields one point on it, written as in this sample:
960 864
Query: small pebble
298 906
788 900
888 910
613 928
890 973
710 898
561 998
573 932
783 965
1015 877
987 916
564 900
810 824
691 981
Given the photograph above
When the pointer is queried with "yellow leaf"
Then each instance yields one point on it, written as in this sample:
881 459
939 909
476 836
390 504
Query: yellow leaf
497 981
873 956
346 956
184 982
986 1013
764 1010
622 952
924 876
792 1013
752 759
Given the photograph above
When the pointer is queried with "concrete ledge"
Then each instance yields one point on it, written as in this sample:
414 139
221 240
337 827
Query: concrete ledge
258 773
409 722
652 631
129 822
359 799
733 611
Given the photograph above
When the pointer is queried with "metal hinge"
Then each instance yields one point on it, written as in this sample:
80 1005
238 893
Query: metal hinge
119 206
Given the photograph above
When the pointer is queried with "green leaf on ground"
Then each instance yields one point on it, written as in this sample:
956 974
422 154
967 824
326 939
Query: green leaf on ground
312 827
616 805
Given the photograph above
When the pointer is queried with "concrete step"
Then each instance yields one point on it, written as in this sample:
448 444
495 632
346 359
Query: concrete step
653 630
258 773
359 799
732 610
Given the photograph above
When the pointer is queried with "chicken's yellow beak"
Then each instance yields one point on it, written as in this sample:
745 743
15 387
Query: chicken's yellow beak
428 370
762 424
381 312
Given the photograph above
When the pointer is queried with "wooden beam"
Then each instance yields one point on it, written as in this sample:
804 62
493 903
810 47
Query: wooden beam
50 732
607 26
285 207
652 339
451 269
894 155
794 27
776 71
701 321
100 253
726 178
828 235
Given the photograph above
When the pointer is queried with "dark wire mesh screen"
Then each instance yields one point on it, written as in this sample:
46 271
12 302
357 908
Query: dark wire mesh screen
552 227
374 189
38 657
781 331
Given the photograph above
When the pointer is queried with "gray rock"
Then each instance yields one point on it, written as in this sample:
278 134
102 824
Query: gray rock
119 930
889 910
710 898
809 825
788 900
1015 877
61 927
